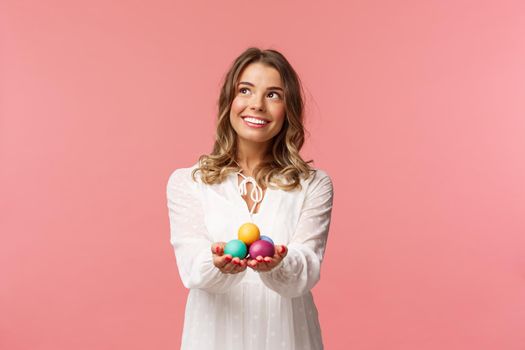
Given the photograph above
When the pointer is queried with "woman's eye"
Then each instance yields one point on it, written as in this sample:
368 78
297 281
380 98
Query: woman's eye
243 89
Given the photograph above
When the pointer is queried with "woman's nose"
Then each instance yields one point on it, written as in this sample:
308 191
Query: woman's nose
257 102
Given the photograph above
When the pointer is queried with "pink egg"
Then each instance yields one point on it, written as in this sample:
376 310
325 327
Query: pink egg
261 248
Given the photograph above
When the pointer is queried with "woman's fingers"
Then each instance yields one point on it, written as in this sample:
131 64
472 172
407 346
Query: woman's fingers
234 265
225 262
229 267
258 266
268 263
240 265
280 253
221 261
260 263
281 250
217 248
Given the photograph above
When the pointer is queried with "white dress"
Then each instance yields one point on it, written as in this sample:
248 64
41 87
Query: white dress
249 310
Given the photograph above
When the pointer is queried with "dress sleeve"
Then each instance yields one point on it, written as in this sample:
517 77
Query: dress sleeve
300 270
190 238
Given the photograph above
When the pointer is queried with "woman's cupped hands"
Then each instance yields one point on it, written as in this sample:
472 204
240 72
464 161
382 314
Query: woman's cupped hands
228 264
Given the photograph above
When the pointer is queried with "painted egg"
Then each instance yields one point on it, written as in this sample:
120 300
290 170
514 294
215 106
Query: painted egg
261 248
266 238
236 248
249 233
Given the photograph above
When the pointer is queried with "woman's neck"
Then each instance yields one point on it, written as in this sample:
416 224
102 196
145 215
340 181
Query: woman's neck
250 155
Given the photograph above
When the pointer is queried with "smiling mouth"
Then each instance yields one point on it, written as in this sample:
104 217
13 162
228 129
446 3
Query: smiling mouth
255 122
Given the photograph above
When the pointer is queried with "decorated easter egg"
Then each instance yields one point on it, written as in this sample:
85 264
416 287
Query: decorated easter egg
248 233
266 238
236 248
261 248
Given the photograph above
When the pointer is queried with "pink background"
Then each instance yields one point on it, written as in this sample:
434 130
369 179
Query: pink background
416 109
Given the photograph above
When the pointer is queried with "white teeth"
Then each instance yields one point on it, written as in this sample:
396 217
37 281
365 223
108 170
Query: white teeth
255 121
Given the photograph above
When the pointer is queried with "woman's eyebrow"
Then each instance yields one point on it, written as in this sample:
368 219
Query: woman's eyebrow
270 88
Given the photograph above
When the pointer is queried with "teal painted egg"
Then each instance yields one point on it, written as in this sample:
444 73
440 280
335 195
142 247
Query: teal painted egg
236 248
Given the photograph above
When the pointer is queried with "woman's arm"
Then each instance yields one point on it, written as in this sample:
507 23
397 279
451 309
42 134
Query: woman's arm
190 238
300 269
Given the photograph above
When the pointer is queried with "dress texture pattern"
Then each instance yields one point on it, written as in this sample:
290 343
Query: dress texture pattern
249 310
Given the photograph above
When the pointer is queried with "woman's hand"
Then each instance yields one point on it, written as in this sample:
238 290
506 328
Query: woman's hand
224 262
267 263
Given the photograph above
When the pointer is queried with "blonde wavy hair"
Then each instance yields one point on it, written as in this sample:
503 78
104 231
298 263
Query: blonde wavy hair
285 167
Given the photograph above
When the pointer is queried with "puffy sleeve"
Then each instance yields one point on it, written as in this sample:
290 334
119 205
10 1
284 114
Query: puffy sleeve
300 270
190 239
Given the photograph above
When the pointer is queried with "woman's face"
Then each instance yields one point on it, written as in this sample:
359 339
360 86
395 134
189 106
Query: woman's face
260 95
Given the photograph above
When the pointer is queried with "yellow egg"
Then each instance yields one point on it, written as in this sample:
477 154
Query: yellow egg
249 233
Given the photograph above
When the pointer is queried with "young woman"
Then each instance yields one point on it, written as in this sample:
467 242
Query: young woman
254 174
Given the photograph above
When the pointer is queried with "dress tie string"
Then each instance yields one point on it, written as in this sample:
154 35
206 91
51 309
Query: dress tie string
256 193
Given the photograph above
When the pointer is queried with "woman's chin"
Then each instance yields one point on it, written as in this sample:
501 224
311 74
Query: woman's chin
255 138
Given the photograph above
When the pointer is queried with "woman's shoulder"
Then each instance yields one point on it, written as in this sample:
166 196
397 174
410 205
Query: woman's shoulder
182 174
319 179
318 174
